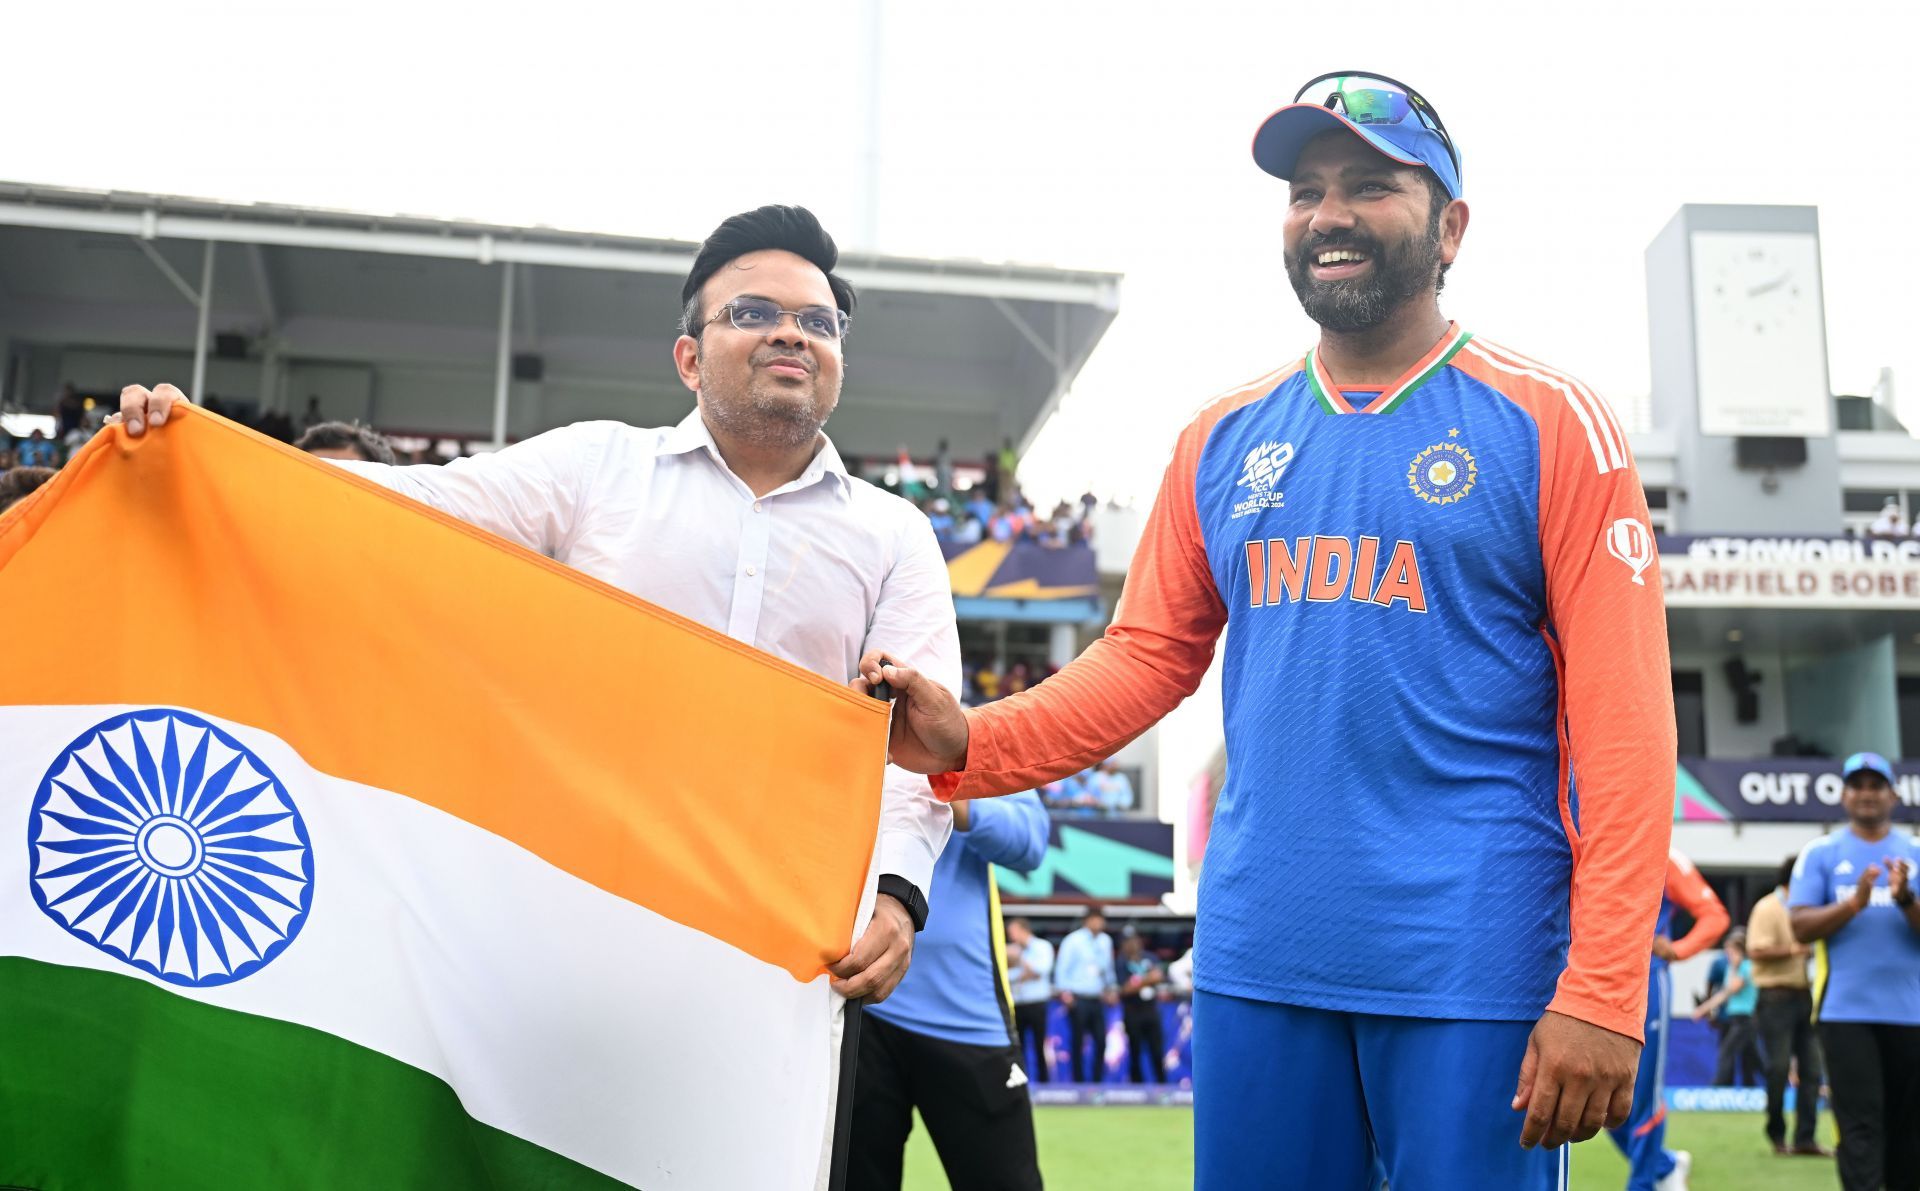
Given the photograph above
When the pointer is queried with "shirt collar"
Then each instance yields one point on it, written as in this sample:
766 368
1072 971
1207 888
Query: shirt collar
691 434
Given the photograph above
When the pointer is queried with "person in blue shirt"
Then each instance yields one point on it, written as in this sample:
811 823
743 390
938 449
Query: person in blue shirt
1852 895
944 1041
1030 967
1738 1063
37 450
1083 975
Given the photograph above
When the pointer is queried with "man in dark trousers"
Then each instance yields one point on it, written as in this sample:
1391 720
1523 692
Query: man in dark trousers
1083 974
1785 1018
943 1042
1030 971
1853 897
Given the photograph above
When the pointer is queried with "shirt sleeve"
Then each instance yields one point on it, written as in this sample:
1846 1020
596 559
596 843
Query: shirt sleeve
531 492
1690 891
913 621
1152 656
1607 624
1812 883
1010 831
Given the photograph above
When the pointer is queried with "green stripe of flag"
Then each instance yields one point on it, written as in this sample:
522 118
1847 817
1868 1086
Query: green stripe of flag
109 1082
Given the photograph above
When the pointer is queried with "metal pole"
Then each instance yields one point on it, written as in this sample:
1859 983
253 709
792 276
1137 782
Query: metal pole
874 38
503 364
200 334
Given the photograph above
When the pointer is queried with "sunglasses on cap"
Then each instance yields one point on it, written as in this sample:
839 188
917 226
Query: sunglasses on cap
1376 99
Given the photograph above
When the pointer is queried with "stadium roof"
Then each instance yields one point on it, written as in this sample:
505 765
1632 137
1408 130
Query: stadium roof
967 351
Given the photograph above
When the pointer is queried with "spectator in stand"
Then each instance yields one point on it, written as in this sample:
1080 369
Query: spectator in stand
17 482
1003 527
343 440
312 416
1019 678
1084 975
1030 968
943 469
1112 790
1853 894
988 681
1651 1166
38 451
980 507
940 516
69 411
1890 521
1141 981
75 438
1739 1062
969 531
1785 1018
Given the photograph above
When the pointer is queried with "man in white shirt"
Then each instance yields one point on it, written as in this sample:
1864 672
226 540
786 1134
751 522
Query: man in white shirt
742 517
1030 970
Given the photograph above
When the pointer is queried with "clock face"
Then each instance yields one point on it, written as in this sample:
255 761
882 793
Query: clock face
1759 334
1760 288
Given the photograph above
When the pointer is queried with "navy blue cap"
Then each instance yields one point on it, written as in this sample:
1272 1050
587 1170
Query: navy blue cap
1277 145
1867 763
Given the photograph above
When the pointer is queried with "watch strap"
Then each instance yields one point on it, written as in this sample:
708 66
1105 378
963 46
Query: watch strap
908 894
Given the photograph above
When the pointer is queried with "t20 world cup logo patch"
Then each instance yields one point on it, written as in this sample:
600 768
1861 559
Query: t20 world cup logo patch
1260 476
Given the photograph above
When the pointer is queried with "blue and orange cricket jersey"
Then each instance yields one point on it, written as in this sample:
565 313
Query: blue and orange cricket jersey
1687 890
1447 701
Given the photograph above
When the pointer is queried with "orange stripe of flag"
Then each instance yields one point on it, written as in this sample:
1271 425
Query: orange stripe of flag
207 567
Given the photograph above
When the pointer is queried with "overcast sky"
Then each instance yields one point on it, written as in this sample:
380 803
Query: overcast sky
1076 134
1098 135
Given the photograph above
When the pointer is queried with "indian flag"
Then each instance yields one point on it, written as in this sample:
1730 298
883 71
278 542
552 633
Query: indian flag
344 845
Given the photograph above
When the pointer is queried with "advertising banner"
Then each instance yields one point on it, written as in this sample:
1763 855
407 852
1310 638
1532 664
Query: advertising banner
1103 860
1763 572
1775 789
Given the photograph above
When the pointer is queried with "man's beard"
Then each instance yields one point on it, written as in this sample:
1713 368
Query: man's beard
762 412
1363 303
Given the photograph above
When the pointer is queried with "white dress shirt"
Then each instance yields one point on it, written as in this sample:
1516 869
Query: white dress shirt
816 572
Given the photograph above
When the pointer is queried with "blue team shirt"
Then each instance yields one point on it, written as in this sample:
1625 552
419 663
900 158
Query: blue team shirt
1393 834
953 990
1868 970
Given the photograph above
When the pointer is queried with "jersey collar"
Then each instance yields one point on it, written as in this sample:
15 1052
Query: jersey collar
1333 401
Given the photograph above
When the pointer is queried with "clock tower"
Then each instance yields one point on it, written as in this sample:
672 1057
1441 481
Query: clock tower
1737 334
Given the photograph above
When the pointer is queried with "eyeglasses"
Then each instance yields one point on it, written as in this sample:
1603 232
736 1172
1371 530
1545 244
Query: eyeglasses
757 316
1377 99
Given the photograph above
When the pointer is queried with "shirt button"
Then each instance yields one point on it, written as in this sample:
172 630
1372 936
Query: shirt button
756 506
749 570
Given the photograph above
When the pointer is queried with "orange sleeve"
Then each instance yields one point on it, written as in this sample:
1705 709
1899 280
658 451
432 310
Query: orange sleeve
1607 623
1689 890
1151 657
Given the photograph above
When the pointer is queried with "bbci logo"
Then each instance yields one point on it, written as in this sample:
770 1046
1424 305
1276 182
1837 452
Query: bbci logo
161 840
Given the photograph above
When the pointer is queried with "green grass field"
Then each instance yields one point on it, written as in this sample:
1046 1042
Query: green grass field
1151 1149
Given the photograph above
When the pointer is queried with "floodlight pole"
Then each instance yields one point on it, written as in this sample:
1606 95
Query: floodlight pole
200 333
874 38
503 363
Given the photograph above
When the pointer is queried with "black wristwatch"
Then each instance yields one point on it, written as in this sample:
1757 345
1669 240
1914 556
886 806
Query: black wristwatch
909 895
1904 899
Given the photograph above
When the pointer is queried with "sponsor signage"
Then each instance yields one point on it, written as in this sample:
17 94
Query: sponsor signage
1777 789
1725 1099
1103 860
1764 572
